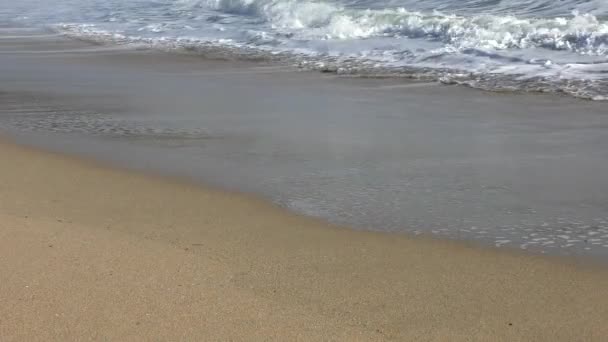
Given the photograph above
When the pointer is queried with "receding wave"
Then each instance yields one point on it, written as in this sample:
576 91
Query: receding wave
516 45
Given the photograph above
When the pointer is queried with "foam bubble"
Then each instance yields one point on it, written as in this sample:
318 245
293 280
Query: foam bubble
520 45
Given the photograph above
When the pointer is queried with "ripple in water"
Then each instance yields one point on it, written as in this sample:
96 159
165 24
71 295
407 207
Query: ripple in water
39 116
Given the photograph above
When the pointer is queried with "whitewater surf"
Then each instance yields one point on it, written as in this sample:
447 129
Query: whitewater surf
514 45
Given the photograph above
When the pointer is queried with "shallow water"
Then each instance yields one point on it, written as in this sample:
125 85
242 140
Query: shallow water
522 171
507 45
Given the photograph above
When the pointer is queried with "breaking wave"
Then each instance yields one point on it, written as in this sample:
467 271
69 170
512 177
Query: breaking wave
515 45
582 33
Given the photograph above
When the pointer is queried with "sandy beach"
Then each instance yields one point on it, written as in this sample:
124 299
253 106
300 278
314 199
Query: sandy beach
89 252
106 239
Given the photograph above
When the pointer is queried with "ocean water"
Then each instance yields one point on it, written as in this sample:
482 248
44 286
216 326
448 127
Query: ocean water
503 45
522 171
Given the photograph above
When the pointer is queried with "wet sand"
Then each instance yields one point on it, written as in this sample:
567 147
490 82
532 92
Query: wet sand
92 252
524 171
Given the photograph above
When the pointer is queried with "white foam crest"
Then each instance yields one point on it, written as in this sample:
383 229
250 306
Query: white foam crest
581 33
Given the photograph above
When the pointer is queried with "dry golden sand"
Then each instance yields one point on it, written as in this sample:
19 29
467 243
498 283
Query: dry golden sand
88 252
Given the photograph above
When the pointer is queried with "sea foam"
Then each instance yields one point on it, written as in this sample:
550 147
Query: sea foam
520 45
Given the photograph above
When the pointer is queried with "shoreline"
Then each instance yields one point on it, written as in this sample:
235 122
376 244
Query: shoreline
411 158
94 248
265 203
574 260
114 251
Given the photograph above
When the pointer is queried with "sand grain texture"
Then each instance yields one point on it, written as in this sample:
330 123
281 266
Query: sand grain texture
89 252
